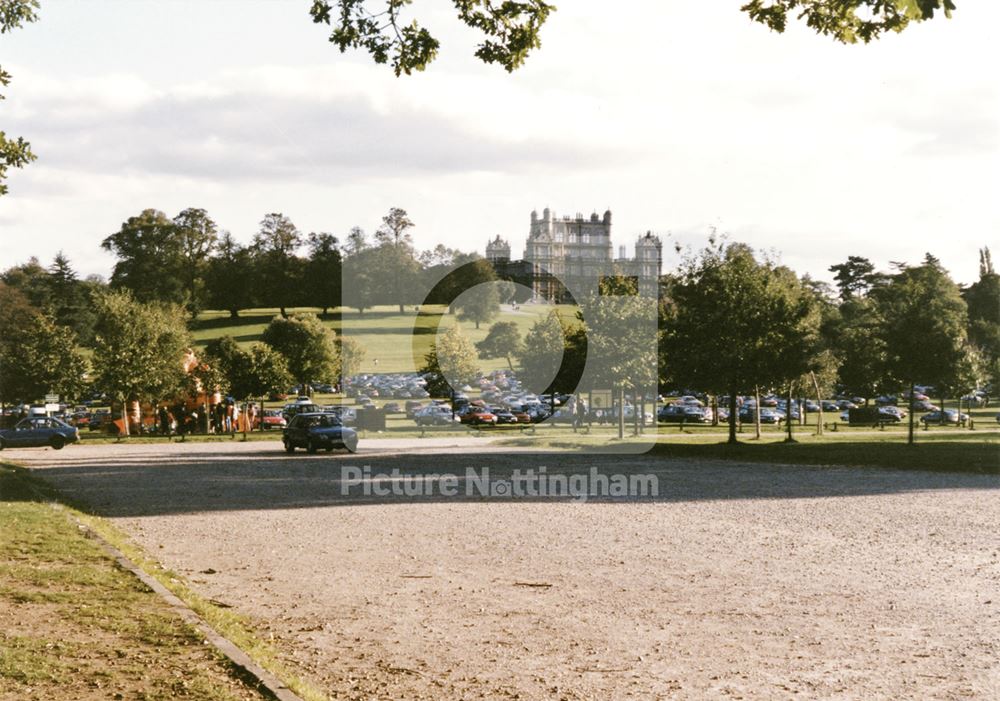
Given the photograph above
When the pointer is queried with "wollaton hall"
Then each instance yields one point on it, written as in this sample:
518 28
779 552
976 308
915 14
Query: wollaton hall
572 254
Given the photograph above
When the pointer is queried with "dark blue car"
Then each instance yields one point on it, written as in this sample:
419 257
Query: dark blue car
36 431
316 431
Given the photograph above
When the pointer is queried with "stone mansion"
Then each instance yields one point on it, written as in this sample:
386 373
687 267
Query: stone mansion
574 253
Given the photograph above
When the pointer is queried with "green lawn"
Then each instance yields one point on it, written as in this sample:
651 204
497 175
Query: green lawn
79 626
398 341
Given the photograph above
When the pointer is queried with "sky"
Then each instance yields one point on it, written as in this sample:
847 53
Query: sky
679 116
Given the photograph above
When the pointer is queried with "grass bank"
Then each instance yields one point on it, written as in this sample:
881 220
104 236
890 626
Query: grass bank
73 624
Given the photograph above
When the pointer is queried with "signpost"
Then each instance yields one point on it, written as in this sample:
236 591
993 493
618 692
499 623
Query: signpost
51 404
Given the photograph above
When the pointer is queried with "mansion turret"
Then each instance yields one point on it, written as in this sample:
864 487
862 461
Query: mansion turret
573 254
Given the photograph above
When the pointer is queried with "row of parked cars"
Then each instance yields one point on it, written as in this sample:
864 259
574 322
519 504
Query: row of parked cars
395 386
774 410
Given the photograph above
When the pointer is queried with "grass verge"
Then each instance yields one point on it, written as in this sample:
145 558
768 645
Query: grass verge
75 625
941 452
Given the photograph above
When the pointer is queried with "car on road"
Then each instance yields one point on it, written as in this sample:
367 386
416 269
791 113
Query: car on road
316 431
36 431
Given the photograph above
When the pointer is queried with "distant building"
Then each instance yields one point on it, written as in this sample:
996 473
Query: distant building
574 253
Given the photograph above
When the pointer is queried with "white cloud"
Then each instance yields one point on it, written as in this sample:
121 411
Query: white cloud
677 115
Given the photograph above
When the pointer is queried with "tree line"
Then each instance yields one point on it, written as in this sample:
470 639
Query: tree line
734 323
186 260
730 321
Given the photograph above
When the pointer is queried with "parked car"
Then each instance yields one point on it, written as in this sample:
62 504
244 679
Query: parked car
299 407
37 431
271 419
99 420
948 416
316 431
976 399
392 408
900 414
767 415
477 415
504 416
681 413
434 415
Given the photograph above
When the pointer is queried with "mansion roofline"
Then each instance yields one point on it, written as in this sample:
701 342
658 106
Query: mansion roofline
573 253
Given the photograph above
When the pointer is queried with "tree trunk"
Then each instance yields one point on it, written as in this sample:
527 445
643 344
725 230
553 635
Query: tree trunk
401 310
732 416
284 314
909 438
125 425
756 412
819 404
715 410
234 313
621 412
788 416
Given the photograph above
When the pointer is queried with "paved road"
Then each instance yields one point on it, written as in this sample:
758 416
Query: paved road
734 581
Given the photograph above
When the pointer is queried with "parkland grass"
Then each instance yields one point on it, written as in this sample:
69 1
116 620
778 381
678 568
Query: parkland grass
398 341
73 624
81 627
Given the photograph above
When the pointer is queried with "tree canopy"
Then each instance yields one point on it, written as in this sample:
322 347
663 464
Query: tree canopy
307 345
37 354
138 347
511 30
737 323
923 325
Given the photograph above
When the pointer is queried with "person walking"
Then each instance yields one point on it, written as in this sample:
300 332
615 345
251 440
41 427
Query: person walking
164 416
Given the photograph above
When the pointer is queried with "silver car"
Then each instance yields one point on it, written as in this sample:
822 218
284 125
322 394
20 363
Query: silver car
39 431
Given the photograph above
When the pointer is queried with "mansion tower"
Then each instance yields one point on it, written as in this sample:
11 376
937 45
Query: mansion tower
573 254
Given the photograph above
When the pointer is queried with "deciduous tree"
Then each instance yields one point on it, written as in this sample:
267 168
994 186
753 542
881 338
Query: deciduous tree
451 363
138 347
923 326
37 356
737 323
278 268
197 236
511 30
230 283
150 258
502 341
324 271
307 345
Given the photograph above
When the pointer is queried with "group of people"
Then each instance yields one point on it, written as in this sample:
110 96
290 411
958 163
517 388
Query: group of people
222 417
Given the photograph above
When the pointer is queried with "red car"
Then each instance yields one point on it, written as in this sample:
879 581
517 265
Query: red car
271 419
476 415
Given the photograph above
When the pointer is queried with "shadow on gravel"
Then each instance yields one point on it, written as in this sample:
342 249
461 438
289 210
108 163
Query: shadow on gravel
266 479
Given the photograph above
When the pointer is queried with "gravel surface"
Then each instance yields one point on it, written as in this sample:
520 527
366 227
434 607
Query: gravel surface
737 581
